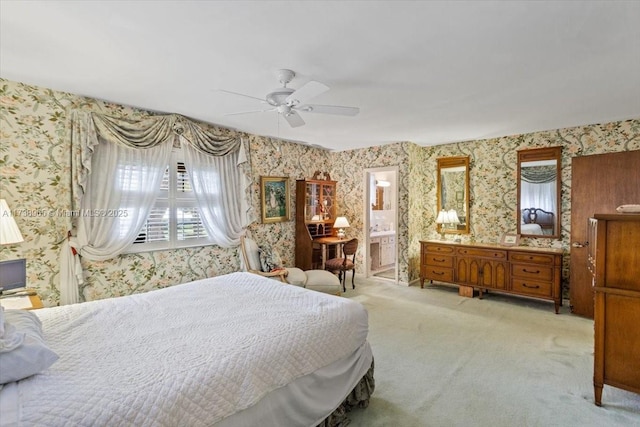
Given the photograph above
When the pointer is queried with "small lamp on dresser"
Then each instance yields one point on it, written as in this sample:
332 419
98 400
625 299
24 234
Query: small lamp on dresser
445 218
341 223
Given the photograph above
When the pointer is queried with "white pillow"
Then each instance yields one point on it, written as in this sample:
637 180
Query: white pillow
29 357
628 208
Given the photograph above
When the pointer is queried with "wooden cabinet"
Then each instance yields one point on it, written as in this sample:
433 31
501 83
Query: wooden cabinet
614 263
482 268
315 214
530 272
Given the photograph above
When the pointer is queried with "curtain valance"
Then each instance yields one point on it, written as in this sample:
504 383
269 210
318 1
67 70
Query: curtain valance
130 158
538 174
88 128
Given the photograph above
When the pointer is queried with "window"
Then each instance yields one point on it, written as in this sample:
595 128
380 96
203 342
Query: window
174 221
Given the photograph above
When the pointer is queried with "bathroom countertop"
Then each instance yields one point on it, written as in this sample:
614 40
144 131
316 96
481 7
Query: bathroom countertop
382 233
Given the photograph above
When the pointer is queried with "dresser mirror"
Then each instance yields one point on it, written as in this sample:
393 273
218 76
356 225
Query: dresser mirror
453 195
539 173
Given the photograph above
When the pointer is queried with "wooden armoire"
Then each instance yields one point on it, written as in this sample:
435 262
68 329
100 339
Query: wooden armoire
614 263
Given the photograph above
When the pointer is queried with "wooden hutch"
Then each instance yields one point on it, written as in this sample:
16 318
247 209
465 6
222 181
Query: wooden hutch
315 214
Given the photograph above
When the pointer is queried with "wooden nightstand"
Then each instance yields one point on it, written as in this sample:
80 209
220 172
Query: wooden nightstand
26 302
36 302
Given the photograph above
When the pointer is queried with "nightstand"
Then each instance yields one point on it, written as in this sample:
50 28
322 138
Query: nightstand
24 302
36 302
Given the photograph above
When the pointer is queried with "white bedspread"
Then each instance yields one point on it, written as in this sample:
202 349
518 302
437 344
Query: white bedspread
187 355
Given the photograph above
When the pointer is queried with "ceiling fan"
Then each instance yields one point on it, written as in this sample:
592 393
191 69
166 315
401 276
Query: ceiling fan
288 102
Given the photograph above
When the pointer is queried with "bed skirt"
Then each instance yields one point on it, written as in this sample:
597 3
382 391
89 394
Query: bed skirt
358 398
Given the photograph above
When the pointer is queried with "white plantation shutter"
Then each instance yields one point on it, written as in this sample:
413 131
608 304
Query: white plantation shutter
188 221
156 227
190 224
174 221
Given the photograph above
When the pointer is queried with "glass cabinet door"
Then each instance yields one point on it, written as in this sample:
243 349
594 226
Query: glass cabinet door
313 202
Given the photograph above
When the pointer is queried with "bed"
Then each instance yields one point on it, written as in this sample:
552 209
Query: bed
233 350
537 221
531 229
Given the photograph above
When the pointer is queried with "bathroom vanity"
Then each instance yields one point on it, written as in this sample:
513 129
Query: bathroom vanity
382 247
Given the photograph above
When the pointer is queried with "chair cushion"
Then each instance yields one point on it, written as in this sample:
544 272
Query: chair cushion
296 276
337 264
322 281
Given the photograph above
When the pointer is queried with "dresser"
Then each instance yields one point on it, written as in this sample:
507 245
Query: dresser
614 262
518 270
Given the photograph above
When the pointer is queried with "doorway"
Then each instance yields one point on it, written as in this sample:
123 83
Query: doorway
380 224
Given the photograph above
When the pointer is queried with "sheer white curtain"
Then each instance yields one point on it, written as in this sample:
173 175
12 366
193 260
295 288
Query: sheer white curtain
218 185
120 192
541 196
117 165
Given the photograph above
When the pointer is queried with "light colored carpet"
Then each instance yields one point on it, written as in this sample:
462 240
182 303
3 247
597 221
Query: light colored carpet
446 360
387 274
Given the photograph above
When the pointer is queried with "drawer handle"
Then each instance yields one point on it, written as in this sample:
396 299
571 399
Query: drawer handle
534 272
530 286
438 273
439 260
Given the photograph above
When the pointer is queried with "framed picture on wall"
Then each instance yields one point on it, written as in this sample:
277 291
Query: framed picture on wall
510 239
274 198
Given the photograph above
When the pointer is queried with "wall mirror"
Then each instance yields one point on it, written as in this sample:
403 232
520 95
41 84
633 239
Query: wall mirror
539 173
453 195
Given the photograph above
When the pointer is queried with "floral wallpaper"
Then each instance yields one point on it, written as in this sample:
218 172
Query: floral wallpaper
348 169
35 180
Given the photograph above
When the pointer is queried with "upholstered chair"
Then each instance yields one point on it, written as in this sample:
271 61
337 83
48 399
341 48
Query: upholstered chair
316 280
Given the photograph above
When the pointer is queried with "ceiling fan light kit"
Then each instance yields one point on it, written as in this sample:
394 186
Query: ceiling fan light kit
286 100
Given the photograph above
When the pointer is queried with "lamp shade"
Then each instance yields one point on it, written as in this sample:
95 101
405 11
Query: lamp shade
453 217
341 222
9 231
443 217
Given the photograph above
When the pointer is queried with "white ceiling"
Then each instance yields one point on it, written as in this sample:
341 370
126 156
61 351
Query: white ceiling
427 72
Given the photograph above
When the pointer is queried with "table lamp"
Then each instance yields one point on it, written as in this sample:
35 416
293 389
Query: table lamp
341 223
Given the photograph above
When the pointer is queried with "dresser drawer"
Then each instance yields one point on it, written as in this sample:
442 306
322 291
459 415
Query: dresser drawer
439 260
531 287
532 271
531 258
438 273
441 249
483 253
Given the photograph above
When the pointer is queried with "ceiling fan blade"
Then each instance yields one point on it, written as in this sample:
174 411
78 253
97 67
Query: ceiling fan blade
293 119
329 109
308 91
242 94
249 112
